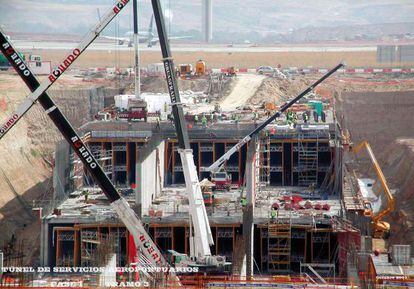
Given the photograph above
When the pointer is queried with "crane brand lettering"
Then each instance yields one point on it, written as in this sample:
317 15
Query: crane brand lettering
64 65
9 123
121 4
19 63
83 152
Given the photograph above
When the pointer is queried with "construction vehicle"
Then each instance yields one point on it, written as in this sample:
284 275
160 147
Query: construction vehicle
206 189
150 255
221 180
185 71
208 198
135 113
4 63
317 107
136 110
201 68
200 237
217 165
381 229
230 71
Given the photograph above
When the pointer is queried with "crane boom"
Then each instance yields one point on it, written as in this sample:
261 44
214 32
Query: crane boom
218 164
60 69
202 233
133 224
390 199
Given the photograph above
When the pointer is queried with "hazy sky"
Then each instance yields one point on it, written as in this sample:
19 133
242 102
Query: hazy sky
76 16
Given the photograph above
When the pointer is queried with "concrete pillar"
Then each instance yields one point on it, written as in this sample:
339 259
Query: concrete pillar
248 225
108 277
44 243
149 176
207 20
60 172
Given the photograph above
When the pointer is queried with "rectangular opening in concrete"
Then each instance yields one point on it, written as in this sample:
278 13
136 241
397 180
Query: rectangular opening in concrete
163 238
180 239
168 171
287 164
219 150
225 242
132 156
276 164
298 250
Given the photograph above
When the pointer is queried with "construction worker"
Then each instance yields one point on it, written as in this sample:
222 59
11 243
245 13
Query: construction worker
273 214
204 120
236 119
171 118
196 119
255 117
305 117
243 202
85 193
291 118
158 123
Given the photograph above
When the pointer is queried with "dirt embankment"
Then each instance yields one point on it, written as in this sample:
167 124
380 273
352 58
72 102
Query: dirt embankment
379 117
399 169
159 85
385 119
278 91
26 153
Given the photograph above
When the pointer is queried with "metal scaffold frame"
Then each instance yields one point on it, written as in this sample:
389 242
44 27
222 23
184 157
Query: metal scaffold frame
307 161
279 246
264 162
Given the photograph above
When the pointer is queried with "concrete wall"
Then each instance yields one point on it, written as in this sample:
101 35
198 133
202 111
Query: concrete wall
149 174
44 243
61 171
386 54
406 53
395 53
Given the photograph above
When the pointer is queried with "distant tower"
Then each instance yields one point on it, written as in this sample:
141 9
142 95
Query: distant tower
207 20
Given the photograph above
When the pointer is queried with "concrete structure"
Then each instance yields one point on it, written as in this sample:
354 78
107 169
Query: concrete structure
395 53
289 162
149 175
386 54
207 20
382 272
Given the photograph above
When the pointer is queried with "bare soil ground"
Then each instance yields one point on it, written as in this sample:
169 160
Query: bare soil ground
244 88
220 59
399 168
158 85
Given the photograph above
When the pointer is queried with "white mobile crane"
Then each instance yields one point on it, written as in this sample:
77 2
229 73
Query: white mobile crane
151 255
201 240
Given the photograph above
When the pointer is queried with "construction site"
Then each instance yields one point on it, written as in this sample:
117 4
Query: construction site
187 175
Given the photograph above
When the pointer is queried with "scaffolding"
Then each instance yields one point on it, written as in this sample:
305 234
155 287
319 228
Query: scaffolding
279 246
307 161
264 162
96 247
